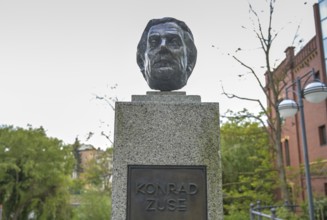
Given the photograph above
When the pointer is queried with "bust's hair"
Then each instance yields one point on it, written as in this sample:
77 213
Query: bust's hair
188 39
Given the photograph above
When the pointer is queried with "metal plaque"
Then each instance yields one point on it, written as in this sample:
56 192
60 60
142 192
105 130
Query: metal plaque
166 192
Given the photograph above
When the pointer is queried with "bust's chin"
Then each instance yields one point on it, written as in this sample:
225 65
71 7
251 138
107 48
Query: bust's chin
166 86
166 79
164 73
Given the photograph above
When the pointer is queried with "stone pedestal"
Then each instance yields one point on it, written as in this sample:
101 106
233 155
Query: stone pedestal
167 130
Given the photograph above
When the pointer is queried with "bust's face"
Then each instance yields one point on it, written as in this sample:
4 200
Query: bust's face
165 57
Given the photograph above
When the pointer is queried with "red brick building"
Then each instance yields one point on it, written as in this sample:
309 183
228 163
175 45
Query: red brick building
311 56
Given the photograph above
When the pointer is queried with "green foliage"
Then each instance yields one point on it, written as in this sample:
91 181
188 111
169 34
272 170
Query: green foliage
34 174
241 215
320 205
76 186
92 190
77 156
284 213
98 172
320 209
95 205
248 173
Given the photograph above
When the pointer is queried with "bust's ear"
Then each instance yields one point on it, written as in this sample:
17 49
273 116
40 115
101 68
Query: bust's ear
191 53
140 61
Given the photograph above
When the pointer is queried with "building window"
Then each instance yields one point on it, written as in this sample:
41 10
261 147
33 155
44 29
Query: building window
322 135
287 153
323 9
317 75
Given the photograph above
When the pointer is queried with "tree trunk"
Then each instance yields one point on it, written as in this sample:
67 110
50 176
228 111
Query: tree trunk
285 194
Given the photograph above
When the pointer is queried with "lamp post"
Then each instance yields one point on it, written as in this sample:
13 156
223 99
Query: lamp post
314 92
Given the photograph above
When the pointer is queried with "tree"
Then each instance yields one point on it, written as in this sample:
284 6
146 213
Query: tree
272 90
98 171
77 156
95 198
94 205
34 174
110 101
248 174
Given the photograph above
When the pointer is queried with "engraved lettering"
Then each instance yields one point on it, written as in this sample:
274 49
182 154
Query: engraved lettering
166 204
172 188
182 189
170 194
193 189
162 208
139 187
182 205
166 196
171 204
162 190
166 189
150 205
150 189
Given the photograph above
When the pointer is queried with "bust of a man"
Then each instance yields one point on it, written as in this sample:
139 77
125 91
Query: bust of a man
166 54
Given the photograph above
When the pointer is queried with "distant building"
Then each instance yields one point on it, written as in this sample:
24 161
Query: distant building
85 153
311 56
88 155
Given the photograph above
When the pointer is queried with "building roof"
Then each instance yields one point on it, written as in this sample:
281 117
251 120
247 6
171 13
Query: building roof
86 147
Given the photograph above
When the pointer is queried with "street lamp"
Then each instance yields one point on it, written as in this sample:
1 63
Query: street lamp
314 92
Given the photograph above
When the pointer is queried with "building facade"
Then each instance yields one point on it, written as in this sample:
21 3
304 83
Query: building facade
323 25
310 57
99 159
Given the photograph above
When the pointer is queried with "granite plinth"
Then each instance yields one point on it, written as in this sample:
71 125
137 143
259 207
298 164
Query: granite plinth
166 128
166 97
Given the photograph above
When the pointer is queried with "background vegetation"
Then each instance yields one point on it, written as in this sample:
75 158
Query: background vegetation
248 172
36 182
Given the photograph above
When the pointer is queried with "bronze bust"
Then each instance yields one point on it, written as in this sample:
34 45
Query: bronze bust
166 54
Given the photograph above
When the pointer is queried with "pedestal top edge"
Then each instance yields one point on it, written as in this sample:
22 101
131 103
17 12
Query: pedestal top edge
167 97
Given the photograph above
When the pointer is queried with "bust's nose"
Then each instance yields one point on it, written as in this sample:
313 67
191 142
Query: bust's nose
163 47
163 43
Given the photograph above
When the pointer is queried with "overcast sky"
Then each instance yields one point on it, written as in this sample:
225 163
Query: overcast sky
57 56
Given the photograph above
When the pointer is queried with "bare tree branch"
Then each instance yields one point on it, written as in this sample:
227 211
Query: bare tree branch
107 137
275 82
110 101
253 73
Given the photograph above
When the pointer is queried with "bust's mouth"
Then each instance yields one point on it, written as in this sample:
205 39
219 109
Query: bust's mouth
163 63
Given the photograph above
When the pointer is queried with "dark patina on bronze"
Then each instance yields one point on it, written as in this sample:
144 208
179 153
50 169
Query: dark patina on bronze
166 192
166 54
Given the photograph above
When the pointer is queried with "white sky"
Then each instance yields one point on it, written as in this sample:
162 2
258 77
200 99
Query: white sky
55 56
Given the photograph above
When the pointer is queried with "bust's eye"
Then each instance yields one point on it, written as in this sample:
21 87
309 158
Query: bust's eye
154 41
175 42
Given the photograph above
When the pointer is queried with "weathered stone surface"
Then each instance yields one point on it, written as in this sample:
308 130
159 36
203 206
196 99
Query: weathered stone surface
165 129
166 97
